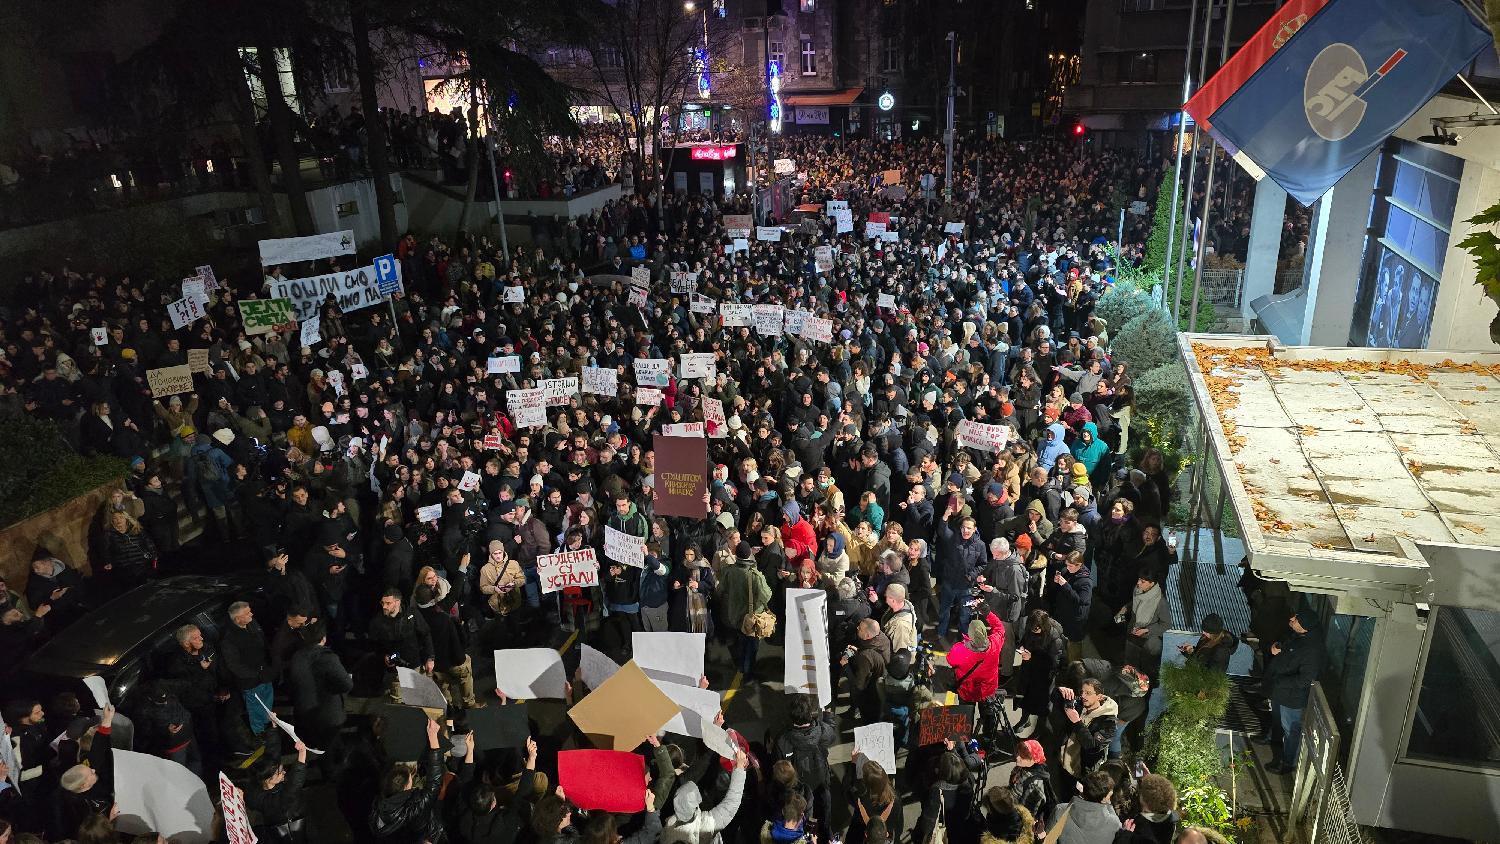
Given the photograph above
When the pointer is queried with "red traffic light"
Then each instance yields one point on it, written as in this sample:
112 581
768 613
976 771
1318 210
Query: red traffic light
1079 129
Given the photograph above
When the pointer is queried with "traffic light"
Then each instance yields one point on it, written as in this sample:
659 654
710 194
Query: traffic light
1079 129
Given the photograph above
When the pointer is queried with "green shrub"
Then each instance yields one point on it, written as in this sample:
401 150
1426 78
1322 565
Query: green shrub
39 470
1163 398
1146 341
1182 745
1120 304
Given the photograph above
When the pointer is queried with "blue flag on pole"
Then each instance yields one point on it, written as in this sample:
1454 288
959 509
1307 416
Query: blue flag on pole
1325 82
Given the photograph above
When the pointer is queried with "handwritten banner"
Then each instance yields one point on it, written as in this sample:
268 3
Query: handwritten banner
170 380
600 381
568 569
352 290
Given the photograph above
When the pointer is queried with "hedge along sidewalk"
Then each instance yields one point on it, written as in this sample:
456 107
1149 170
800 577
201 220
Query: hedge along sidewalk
1183 747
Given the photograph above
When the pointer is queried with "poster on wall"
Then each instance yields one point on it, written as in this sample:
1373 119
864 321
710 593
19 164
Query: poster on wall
1401 307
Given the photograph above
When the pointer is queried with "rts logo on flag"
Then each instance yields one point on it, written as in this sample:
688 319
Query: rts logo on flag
1332 94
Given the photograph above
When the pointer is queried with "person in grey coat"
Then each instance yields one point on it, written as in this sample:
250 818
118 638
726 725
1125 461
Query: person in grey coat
1146 618
318 684
1089 818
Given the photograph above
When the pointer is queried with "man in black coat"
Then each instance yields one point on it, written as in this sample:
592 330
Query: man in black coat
248 661
318 685
452 667
402 639
191 673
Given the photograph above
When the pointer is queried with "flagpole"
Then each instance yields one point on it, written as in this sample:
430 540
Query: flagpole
1208 191
1187 85
1187 209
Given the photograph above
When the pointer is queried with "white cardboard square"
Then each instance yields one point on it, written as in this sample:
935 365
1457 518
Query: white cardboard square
530 673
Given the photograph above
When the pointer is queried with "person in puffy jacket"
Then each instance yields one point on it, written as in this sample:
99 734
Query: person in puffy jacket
797 534
976 659
834 561
129 554
691 823
405 814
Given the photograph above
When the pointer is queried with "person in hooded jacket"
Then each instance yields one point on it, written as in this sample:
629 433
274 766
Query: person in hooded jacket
318 683
1088 449
1042 653
1054 445
797 535
1092 722
833 562
691 823
1297 663
406 813
976 667
865 667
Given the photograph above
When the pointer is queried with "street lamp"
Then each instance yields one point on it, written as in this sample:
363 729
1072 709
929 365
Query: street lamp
886 101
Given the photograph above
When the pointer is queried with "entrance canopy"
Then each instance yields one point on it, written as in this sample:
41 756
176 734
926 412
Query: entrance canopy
1339 462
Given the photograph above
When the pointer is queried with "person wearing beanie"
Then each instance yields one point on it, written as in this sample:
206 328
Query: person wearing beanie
452 667
1215 645
743 591
691 823
976 668
501 580
397 558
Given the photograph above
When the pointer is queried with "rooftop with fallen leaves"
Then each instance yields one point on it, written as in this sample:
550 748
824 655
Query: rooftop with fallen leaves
1345 450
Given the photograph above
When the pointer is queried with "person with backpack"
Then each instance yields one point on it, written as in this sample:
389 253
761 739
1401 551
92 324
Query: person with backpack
805 744
896 689
207 469
949 798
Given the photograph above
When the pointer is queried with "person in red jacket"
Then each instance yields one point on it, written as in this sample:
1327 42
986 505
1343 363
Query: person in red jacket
976 668
797 535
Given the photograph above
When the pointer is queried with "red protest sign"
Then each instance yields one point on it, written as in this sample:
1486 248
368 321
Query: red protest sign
609 780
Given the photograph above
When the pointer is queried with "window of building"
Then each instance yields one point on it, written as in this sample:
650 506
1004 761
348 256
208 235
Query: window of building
891 54
809 58
778 53
809 6
1137 67
1453 722
1411 216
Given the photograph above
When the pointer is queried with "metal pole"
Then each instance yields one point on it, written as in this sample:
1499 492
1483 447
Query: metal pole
1208 191
489 113
1187 86
1120 238
1187 209
948 136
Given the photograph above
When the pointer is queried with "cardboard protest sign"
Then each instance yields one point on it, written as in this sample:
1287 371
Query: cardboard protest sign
881 217
937 724
622 547
984 437
567 569
405 735
795 320
469 482
767 319
816 328
640 277
236 819
806 667
264 315
953 228
170 380
358 371
652 372
833 206
195 289
161 796
843 221
648 396
878 743
515 295
530 673
713 418
737 225
419 690
784 166
502 364
637 297
683 429
499 726
197 360
336 381
703 305
594 668
492 442
210 281
623 711
698 365
890 177
100 335
289 250
353 290
885 300
185 312
528 408
768 234
696 707
98 688
874 230
430 514
606 780
681 480
735 314
557 392
670 657
600 381
740 244
684 282
823 258
891 237
311 333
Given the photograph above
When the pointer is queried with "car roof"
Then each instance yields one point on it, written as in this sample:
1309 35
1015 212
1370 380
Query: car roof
99 640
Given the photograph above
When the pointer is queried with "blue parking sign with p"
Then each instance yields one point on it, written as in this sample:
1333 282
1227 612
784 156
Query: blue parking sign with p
387 275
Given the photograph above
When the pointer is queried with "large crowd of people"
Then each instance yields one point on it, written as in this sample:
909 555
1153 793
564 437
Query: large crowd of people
1028 577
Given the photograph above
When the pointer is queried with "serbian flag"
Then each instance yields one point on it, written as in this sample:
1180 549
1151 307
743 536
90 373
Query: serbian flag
1325 82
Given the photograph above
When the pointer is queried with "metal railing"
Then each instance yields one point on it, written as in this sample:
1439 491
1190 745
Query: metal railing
1320 811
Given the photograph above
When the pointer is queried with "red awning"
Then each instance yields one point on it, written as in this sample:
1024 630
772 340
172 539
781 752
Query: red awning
836 98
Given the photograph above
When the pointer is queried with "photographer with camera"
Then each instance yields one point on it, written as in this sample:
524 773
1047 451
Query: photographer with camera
976 669
401 637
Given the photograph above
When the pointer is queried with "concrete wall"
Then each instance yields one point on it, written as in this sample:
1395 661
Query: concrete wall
63 531
351 205
1462 314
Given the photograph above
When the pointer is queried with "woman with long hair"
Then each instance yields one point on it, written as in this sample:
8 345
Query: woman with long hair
872 796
